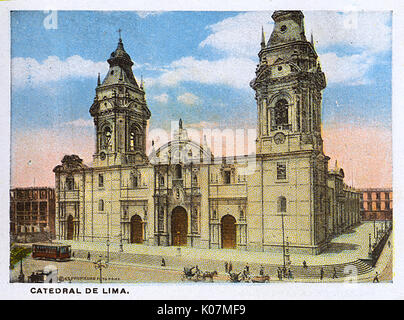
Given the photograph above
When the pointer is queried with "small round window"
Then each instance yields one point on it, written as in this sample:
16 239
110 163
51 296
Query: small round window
283 28
279 68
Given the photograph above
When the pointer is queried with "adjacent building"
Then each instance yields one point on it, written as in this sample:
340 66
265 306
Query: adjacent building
183 195
32 214
376 204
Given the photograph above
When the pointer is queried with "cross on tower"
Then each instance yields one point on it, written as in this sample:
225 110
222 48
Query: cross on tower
119 31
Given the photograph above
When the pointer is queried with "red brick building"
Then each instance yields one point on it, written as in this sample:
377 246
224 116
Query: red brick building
32 214
376 204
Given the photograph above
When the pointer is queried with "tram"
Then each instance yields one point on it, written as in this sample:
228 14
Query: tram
51 251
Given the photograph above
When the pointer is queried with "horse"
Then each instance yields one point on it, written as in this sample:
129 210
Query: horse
189 274
209 274
234 277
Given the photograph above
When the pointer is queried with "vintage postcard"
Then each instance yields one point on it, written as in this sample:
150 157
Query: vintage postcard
248 148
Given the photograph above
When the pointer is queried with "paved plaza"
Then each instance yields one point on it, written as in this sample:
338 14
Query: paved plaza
140 263
350 246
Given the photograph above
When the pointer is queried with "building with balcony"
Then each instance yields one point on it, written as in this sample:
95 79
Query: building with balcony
376 204
32 214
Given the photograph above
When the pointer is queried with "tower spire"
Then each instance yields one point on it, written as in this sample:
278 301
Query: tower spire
262 38
98 80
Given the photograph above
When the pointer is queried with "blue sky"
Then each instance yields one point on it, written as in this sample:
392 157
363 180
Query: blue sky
155 41
196 65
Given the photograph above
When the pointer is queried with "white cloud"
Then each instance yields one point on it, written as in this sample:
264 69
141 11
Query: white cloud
162 98
368 33
239 35
80 123
233 72
145 14
28 71
350 70
364 30
189 98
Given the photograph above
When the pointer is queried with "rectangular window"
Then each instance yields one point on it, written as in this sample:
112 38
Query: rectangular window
280 171
387 196
226 177
100 181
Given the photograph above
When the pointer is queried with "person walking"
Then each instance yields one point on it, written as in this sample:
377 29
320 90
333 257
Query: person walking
247 268
88 255
226 266
334 274
163 262
262 270
321 273
230 266
290 275
279 274
305 264
376 278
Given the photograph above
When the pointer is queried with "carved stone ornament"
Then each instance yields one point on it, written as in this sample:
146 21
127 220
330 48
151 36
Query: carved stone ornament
279 138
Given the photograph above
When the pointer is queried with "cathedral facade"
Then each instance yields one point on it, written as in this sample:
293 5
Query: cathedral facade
183 195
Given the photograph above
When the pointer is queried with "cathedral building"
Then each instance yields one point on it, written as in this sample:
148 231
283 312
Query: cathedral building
183 195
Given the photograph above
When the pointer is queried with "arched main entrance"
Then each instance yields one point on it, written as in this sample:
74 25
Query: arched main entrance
179 227
70 228
228 229
136 229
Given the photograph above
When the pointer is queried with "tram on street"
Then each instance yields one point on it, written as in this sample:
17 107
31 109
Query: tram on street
51 251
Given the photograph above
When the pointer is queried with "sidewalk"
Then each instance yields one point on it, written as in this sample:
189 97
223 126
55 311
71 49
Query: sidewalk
345 248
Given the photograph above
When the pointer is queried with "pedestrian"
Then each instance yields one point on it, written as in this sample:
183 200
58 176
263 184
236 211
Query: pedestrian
247 268
334 275
290 274
376 278
73 254
163 262
279 274
226 267
230 266
305 264
389 243
88 256
262 270
321 273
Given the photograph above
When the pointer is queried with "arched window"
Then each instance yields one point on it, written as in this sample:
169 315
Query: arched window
101 205
69 183
281 204
106 137
281 112
135 138
178 171
134 179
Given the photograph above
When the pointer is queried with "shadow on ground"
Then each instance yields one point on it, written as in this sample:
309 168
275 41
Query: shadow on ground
335 247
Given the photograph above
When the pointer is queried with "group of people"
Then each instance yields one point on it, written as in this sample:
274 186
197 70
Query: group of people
284 273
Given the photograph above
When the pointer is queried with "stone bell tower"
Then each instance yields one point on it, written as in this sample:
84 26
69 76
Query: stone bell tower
120 114
288 87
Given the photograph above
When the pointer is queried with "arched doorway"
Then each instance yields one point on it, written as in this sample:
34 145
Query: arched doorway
70 228
179 227
228 228
136 229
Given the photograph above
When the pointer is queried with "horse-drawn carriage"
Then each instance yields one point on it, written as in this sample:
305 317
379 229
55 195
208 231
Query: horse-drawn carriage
244 276
195 274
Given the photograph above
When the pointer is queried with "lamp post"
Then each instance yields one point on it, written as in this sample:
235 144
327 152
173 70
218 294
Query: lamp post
108 250
370 244
99 265
21 277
